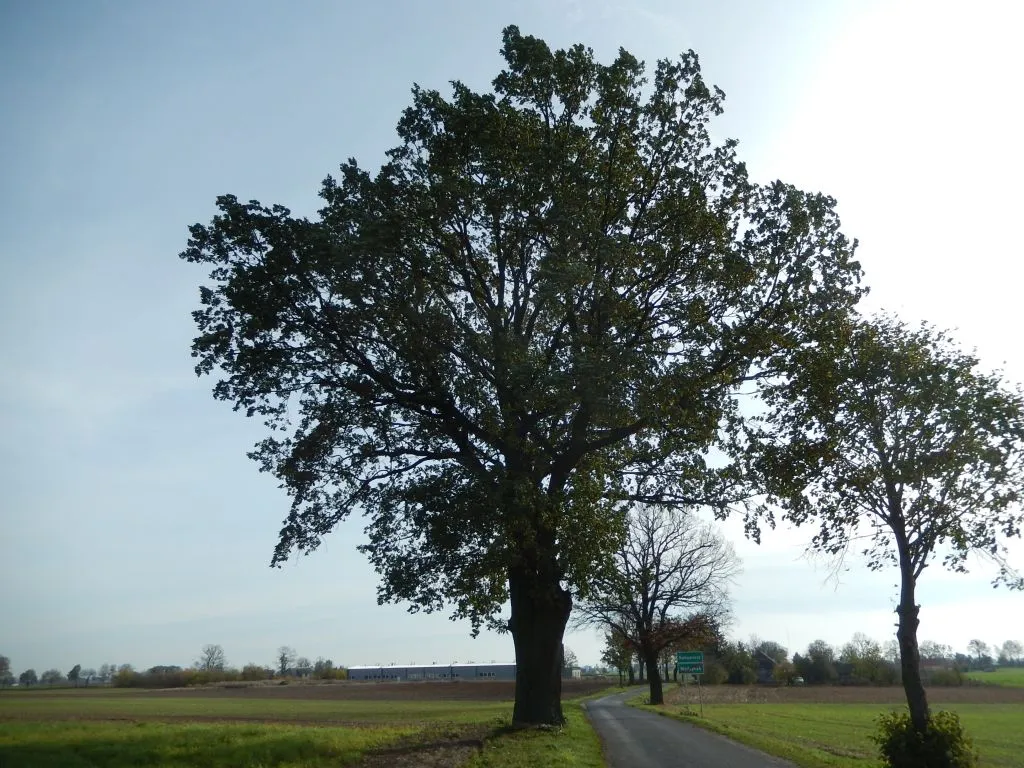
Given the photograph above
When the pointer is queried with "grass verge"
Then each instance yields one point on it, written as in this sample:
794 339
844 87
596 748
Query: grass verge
837 735
119 745
180 732
574 746
1011 677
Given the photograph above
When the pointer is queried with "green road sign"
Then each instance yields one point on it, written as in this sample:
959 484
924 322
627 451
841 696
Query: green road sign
690 662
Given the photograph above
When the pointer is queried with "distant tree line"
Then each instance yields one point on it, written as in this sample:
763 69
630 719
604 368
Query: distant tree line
861 661
210 667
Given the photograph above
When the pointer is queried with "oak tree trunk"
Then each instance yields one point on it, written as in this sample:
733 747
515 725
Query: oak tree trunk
654 677
910 657
540 610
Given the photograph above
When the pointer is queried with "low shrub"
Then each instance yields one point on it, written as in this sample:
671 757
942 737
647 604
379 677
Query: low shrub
945 678
943 745
714 674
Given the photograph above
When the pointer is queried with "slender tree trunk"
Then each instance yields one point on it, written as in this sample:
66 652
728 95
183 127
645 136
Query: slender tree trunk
640 666
632 674
910 657
540 610
654 677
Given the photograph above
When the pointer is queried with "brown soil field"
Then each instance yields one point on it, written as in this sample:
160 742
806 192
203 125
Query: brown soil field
754 694
414 691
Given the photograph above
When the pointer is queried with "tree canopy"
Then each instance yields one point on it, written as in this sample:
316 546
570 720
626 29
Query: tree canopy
539 307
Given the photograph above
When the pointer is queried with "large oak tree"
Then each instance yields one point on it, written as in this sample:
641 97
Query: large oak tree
897 445
539 307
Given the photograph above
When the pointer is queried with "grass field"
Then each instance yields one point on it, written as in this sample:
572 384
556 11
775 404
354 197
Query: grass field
307 726
1012 677
830 727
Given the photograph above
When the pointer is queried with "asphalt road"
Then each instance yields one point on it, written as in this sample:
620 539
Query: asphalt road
633 738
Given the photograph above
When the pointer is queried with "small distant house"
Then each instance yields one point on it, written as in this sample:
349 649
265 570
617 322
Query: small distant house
764 667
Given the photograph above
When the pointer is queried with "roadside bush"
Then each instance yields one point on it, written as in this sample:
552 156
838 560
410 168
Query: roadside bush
943 745
126 677
945 678
783 673
256 672
714 674
742 676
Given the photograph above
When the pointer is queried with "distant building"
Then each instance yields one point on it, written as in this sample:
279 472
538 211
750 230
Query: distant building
764 667
397 673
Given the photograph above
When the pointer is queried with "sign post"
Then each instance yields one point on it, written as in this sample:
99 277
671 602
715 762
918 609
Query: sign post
692 663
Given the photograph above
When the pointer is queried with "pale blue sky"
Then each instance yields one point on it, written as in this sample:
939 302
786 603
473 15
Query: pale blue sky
134 528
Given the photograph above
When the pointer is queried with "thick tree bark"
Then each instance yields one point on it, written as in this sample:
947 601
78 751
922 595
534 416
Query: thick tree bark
654 677
910 657
540 610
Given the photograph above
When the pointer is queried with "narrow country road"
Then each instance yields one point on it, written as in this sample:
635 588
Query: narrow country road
633 738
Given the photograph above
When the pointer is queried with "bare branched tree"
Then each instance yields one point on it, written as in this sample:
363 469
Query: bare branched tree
669 587
212 658
285 658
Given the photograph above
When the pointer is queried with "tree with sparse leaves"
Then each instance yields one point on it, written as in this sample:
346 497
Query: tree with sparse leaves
1011 652
569 660
618 654
978 648
212 658
892 441
285 658
775 650
669 582
52 677
541 307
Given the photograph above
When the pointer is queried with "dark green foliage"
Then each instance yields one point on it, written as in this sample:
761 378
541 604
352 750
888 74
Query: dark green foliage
738 663
943 745
944 678
52 677
817 666
714 673
893 436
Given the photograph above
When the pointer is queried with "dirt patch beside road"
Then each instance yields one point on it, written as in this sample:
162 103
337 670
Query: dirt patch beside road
841 694
412 691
